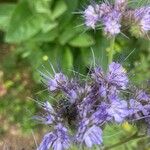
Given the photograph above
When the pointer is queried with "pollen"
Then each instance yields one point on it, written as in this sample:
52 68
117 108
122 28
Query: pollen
127 127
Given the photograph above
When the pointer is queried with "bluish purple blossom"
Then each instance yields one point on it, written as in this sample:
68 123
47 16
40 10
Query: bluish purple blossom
107 15
49 115
142 18
110 83
98 74
45 119
111 23
89 135
57 82
47 141
142 96
120 5
91 16
58 139
84 108
118 110
135 107
92 136
117 75
101 115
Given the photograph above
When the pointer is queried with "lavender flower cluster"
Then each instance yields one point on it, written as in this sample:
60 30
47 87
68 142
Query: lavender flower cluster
113 16
84 107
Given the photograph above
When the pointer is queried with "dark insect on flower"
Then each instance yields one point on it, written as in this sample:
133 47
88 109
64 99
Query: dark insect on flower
68 111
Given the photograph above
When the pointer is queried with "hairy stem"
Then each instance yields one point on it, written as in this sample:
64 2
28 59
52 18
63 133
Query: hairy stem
133 137
111 51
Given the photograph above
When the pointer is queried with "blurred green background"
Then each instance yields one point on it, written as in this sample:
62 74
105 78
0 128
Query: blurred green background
33 32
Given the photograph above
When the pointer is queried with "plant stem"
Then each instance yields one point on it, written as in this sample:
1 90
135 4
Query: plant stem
133 137
111 51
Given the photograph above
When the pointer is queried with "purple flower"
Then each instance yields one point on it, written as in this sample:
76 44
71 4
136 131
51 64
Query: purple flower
135 107
117 75
120 5
146 110
86 107
103 90
62 141
100 115
98 75
142 18
91 16
111 23
108 91
59 81
47 141
83 124
104 9
47 107
46 119
88 135
58 139
92 136
118 110
142 96
49 117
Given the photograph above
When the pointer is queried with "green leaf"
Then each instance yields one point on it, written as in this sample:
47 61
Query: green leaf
48 26
5 14
72 6
68 33
46 37
59 9
42 6
67 61
23 24
83 40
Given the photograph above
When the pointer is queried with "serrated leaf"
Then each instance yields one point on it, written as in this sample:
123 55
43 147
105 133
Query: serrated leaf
83 40
23 24
5 14
59 9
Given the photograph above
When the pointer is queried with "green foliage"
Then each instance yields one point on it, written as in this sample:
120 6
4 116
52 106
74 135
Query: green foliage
46 27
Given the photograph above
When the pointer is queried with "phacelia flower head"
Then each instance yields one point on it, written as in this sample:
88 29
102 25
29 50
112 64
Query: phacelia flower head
47 141
100 115
142 96
89 135
117 75
98 74
135 107
83 109
141 21
110 83
58 81
49 114
121 5
104 9
58 139
118 110
91 16
111 23
93 136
